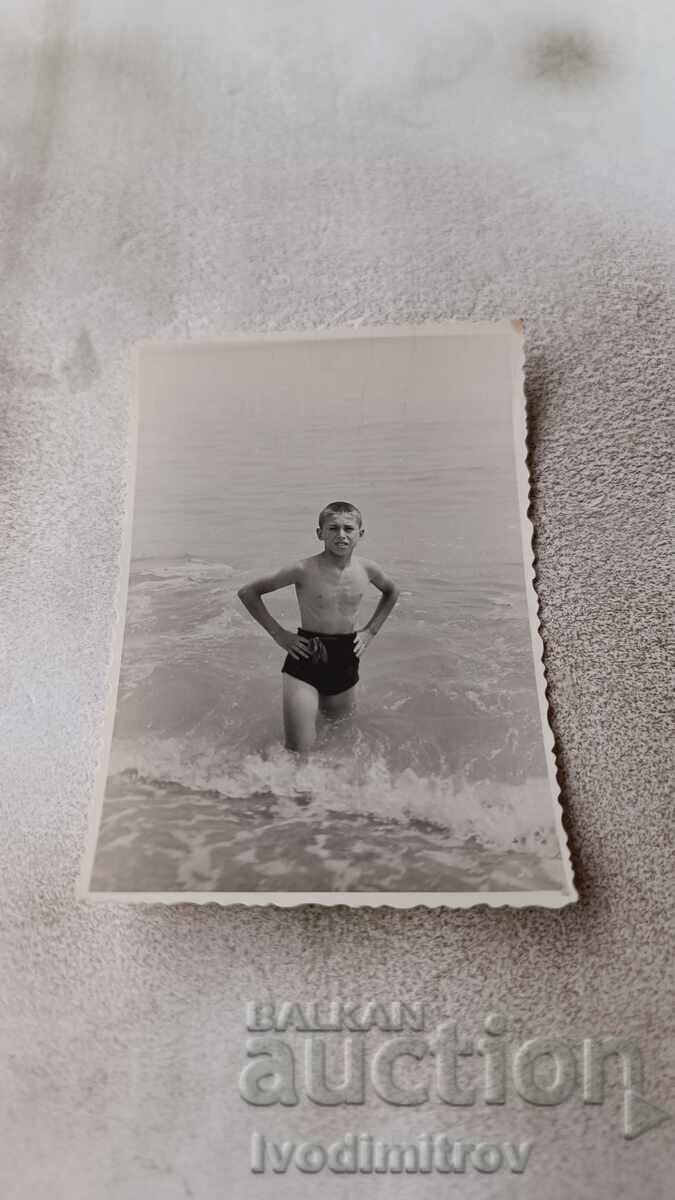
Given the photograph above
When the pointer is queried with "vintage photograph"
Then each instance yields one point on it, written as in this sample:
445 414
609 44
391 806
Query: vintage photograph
328 681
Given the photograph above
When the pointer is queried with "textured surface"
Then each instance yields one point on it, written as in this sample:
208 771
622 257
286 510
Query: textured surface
177 170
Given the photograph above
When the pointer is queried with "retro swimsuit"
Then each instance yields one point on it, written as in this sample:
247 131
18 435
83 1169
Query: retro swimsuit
332 666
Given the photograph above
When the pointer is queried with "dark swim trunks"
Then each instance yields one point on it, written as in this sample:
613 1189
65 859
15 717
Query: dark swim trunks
333 666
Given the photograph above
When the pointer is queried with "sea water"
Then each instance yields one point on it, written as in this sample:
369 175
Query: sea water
438 782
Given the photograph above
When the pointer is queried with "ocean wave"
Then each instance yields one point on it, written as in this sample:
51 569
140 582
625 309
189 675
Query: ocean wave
493 814
185 567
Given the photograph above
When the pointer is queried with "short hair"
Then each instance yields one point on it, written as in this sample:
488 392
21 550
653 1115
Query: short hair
340 506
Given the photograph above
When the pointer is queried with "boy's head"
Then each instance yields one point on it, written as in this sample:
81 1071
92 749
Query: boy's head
340 526
338 507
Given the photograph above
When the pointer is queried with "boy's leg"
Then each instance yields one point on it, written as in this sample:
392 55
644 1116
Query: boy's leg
301 704
340 705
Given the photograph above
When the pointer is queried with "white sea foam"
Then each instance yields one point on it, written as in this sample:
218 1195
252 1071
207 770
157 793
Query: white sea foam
497 815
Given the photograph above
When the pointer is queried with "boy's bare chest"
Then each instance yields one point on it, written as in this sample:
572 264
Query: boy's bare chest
341 590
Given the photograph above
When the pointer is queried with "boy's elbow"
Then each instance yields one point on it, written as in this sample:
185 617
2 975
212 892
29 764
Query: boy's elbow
248 592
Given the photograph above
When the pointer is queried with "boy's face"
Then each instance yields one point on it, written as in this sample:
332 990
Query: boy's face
340 533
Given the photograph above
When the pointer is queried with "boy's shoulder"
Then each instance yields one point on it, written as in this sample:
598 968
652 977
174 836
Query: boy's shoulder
376 575
367 564
309 564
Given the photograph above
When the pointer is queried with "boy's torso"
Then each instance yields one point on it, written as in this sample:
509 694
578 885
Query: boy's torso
329 596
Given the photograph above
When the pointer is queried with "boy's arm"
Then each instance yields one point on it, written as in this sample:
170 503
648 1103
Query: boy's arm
251 597
390 594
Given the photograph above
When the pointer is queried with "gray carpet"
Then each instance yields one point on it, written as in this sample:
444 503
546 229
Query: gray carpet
182 170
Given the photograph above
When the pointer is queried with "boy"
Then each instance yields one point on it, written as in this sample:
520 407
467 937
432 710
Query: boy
322 660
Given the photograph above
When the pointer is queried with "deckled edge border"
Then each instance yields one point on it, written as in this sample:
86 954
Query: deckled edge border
522 450
553 899
119 622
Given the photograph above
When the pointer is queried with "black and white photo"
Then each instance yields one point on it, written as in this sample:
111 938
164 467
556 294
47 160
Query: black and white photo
330 682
